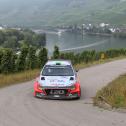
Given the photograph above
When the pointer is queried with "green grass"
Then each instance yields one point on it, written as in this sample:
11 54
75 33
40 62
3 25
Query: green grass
114 93
7 80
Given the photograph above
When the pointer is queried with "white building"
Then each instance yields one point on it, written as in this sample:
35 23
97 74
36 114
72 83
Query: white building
112 30
103 25
1 28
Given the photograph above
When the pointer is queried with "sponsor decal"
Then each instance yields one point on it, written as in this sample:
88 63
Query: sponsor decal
56 80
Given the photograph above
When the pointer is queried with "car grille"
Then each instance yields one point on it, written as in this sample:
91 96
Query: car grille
56 91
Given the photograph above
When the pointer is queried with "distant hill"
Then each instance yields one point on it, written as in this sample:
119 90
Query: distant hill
61 12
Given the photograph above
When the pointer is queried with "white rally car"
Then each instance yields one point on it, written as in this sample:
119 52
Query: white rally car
57 80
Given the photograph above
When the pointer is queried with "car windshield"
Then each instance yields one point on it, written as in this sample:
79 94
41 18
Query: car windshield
57 71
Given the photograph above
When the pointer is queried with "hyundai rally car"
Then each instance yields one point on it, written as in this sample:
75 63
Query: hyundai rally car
57 80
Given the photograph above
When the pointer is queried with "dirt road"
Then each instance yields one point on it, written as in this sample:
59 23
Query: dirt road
18 107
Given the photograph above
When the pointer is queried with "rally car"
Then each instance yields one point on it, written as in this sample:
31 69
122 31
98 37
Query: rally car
57 80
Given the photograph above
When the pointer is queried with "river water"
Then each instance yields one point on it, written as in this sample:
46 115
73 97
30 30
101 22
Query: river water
67 41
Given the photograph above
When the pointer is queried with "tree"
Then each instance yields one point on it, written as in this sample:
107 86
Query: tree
42 57
28 38
21 62
56 53
17 33
62 56
31 58
2 37
6 61
13 63
1 55
11 42
39 40
12 38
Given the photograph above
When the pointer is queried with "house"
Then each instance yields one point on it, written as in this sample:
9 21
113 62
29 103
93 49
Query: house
1 28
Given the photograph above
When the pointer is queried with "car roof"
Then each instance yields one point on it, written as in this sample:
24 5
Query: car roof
58 62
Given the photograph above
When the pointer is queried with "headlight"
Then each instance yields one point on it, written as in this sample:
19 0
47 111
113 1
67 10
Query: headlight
39 87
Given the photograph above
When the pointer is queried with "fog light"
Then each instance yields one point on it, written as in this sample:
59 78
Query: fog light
42 94
70 94
39 87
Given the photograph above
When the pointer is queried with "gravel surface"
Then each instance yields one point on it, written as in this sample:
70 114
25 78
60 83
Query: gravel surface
18 107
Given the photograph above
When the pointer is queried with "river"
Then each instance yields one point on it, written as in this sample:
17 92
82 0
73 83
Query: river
67 41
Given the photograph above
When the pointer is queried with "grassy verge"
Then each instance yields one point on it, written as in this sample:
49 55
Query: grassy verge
6 80
114 93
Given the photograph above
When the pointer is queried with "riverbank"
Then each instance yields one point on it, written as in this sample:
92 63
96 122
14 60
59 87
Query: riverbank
99 34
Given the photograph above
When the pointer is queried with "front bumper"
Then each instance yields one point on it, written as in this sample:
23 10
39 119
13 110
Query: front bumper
69 93
70 96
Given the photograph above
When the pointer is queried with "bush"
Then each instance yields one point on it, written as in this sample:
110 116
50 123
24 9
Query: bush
21 62
56 53
30 59
7 61
42 57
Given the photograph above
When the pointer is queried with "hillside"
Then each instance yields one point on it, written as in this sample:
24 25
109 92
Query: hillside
60 12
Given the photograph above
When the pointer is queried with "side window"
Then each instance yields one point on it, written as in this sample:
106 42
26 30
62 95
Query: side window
49 70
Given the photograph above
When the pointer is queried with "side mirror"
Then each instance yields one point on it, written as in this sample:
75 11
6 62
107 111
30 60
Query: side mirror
77 70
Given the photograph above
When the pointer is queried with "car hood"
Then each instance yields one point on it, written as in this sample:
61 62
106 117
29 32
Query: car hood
57 81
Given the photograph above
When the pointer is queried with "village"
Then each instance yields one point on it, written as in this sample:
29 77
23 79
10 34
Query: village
103 29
